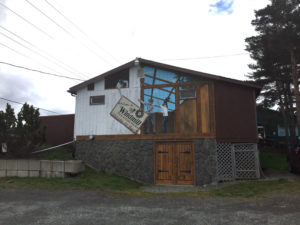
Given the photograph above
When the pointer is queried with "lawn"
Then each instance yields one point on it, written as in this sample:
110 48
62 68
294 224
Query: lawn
88 180
257 188
273 160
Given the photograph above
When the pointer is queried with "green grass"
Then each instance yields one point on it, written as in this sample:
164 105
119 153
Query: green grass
273 160
57 153
259 188
88 180
92 180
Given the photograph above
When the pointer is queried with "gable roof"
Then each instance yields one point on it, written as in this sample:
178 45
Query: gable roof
145 62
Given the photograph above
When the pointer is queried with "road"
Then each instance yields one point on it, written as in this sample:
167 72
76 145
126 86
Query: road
22 207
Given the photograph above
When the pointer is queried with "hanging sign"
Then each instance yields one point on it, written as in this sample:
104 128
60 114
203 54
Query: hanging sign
129 114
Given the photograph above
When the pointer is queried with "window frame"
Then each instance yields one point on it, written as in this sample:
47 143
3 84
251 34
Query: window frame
97 103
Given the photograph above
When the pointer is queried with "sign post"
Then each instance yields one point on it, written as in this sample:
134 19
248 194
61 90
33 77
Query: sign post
129 114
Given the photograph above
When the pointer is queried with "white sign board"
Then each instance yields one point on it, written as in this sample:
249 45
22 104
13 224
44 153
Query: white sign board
129 114
4 147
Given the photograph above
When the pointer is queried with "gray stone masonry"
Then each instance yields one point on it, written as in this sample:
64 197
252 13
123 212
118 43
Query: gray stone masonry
205 160
129 158
135 158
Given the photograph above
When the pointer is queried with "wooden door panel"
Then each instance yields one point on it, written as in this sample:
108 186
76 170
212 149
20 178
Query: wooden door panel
164 163
174 163
185 163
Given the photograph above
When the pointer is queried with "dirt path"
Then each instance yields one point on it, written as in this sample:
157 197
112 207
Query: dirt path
53 207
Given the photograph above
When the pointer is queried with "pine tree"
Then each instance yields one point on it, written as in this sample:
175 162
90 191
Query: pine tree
276 51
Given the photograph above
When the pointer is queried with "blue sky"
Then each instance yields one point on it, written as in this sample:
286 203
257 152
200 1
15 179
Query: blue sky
222 6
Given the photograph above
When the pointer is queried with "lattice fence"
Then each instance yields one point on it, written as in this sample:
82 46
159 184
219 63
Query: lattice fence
237 161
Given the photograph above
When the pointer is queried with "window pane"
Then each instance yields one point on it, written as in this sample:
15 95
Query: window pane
97 100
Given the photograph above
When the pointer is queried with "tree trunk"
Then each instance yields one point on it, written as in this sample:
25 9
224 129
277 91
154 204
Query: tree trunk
284 115
296 86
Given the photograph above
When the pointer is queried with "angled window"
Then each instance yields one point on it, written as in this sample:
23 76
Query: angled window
122 77
97 100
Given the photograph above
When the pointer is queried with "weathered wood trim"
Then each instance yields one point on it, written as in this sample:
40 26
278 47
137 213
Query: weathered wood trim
142 80
164 137
212 108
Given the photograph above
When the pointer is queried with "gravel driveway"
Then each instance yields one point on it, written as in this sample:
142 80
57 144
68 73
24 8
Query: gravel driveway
19 207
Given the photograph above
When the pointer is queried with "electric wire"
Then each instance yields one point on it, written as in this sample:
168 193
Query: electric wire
40 71
27 57
34 46
24 103
72 36
81 31
45 57
205 57
18 15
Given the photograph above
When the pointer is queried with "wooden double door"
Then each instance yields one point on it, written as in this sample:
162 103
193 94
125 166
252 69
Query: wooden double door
174 163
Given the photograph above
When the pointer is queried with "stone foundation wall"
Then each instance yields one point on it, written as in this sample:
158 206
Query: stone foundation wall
135 158
205 160
129 158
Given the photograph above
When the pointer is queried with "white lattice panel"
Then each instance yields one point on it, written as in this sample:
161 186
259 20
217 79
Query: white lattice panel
237 161
246 159
225 170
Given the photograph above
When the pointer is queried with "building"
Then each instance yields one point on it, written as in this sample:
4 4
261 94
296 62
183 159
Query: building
59 129
211 132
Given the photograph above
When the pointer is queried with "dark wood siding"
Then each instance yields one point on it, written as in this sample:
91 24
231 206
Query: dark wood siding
59 129
235 113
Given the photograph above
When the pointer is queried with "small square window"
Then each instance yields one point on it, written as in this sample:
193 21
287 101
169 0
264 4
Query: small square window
97 100
90 87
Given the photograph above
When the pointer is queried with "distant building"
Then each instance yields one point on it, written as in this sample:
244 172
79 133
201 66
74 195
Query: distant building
271 127
59 128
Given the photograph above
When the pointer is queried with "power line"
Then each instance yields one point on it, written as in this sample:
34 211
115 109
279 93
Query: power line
39 71
71 35
34 46
45 57
36 27
80 30
24 103
205 57
25 56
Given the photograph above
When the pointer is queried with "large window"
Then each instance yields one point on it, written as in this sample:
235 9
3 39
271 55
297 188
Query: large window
122 77
186 98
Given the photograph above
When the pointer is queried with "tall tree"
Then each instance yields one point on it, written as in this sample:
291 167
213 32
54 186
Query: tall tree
276 51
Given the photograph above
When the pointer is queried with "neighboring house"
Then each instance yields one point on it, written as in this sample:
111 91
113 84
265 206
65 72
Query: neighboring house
211 127
271 127
59 128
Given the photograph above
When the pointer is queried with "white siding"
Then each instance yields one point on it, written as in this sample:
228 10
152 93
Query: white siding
96 119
